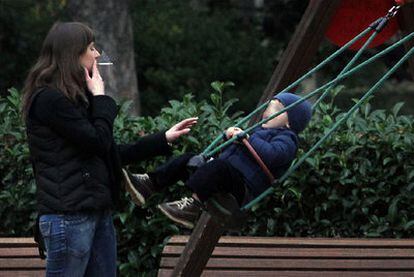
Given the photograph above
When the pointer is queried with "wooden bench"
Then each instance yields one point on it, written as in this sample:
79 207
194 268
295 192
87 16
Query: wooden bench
20 257
259 256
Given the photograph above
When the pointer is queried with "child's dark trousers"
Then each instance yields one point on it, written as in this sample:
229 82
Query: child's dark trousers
216 176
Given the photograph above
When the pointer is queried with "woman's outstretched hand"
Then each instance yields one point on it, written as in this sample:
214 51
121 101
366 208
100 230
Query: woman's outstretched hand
95 83
180 129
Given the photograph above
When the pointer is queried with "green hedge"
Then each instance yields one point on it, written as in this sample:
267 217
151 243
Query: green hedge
359 184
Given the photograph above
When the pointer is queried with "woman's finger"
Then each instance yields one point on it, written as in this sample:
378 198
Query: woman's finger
183 132
186 122
191 119
95 70
190 123
87 77
187 126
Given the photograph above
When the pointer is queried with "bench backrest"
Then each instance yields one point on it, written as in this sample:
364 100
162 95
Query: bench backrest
259 256
20 257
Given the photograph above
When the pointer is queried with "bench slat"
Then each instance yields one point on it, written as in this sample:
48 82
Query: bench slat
26 273
17 242
261 252
302 242
232 273
19 252
274 256
351 264
17 263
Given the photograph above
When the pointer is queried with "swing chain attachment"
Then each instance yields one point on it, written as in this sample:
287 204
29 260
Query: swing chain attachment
380 24
393 11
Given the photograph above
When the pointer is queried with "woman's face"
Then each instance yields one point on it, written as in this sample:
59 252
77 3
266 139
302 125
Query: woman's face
89 56
280 120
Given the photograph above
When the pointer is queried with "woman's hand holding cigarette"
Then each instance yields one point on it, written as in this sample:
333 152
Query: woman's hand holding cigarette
95 83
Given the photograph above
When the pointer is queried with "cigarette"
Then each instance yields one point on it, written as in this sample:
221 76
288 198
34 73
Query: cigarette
105 63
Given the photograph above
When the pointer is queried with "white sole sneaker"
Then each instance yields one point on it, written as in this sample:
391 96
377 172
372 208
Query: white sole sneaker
135 195
186 224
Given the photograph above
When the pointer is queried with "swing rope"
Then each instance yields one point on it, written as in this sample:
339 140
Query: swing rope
311 94
294 84
346 68
334 128
316 104
377 26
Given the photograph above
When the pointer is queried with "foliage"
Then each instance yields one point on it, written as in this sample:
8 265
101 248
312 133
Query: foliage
17 195
23 26
179 48
182 46
359 184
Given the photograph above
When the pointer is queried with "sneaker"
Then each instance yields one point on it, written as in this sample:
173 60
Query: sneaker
139 186
185 212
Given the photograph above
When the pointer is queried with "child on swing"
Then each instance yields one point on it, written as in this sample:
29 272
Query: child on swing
235 170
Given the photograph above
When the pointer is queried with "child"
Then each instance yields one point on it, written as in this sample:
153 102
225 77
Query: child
235 170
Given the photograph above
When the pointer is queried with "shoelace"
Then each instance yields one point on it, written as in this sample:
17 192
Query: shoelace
184 202
143 178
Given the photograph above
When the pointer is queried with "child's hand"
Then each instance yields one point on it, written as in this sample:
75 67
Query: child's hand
233 131
179 129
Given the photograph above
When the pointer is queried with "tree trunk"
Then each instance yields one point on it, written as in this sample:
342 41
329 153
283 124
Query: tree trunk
112 25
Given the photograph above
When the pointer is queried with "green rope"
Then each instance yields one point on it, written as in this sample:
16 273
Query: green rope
312 71
336 126
294 84
329 84
347 67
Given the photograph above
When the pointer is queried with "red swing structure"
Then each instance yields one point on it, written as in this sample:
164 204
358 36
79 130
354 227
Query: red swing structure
339 21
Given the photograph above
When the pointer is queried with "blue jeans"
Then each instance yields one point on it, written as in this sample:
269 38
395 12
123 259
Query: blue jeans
81 244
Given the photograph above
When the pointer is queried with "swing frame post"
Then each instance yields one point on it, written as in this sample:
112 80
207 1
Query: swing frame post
220 213
302 47
199 248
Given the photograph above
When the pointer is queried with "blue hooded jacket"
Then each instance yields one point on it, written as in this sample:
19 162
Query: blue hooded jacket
276 146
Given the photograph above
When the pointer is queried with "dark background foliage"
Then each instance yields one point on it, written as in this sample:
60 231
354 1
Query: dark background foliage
181 47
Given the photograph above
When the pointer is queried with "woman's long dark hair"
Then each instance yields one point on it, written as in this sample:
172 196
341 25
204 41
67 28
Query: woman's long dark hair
58 65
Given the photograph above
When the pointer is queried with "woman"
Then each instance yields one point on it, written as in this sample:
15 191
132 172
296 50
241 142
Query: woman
76 162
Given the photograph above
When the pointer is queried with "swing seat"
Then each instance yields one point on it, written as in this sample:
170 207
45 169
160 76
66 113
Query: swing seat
20 257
